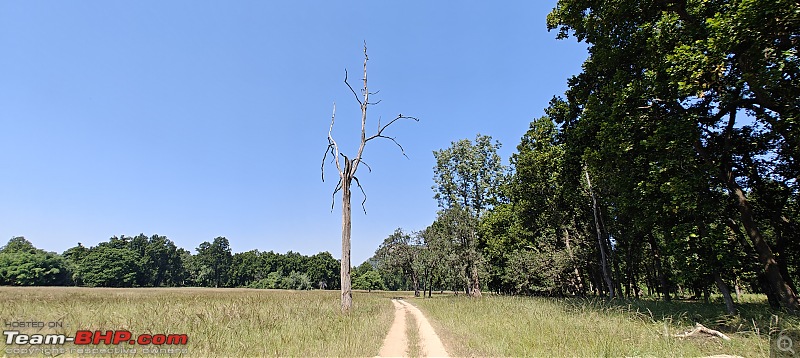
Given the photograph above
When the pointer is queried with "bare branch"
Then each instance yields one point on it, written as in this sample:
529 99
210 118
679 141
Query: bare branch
399 116
333 195
363 193
365 163
351 88
364 105
381 129
332 148
402 151
322 167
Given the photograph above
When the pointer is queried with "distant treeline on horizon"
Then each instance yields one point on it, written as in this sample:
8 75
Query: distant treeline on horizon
155 261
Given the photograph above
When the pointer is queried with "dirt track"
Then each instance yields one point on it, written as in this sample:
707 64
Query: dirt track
396 343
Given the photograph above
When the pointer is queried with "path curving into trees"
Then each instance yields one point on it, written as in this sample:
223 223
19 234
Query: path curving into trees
396 343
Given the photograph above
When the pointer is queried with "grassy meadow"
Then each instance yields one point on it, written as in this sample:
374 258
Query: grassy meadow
218 322
545 327
248 322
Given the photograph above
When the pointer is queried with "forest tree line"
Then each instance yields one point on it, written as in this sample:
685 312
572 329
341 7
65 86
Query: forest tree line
669 168
156 261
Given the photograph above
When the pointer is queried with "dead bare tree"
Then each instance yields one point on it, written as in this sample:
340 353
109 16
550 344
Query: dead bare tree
347 168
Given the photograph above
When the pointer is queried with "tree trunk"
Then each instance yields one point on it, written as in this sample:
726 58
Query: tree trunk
617 270
772 275
765 255
738 290
726 294
611 255
603 256
772 297
781 225
347 294
659 268
780 257
415 282
578 283
475 290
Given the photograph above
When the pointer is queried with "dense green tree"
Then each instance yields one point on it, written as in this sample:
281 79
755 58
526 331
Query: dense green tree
22 264
323 270
246 267
74 258
215 261
467 177
18 244
295 281
398 253
162 256
715 79
468 174
273 280
369 280
363 268
454 235
109 266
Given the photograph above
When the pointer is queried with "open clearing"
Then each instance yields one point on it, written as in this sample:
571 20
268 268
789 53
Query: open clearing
247 322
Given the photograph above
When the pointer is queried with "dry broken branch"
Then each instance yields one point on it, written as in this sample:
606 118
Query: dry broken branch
700 329
363 207
332 148
336 190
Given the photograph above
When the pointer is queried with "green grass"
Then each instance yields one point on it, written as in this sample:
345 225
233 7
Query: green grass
412 334
218 322
525 326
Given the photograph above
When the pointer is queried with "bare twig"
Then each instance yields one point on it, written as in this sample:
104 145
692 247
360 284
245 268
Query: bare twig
351 88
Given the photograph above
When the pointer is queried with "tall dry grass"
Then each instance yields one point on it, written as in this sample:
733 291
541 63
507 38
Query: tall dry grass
545 327
218 322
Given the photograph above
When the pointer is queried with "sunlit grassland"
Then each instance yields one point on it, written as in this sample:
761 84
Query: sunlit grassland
218 322
525 326
412 334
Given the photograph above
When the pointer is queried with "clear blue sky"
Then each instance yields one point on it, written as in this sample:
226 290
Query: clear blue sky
197 119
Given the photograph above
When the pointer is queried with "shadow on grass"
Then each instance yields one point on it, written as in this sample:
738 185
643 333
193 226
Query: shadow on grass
754 316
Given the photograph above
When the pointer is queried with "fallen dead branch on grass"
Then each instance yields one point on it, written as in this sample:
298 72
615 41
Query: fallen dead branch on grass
700 329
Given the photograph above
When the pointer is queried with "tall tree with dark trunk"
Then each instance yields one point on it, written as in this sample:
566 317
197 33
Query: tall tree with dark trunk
691 68
601 244
347 167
